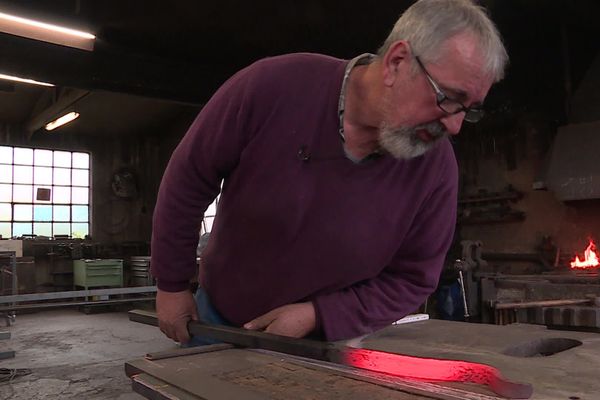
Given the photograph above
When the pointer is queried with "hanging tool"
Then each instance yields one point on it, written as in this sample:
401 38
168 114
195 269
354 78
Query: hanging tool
459 265
378 361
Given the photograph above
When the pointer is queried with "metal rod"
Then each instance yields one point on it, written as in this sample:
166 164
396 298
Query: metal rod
241 337
461 282
13 264
75 293
186 351
540 303
34 306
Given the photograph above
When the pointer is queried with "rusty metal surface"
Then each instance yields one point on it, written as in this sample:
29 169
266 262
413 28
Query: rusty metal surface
377 361
258 375
556 374
284 380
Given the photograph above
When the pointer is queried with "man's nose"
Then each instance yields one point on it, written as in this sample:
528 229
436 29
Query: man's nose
453 122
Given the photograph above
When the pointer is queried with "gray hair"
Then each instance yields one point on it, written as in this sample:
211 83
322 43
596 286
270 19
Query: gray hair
427 24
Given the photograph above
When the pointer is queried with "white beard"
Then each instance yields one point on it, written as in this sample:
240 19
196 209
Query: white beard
404 143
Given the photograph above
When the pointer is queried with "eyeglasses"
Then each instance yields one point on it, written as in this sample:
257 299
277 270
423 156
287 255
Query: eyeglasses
448 105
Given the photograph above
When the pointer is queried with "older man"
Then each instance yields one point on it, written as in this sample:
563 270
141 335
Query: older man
339 189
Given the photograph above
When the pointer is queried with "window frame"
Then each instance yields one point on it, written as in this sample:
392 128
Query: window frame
77 225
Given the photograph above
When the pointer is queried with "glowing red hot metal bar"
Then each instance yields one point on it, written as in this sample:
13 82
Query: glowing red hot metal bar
433 369
430 369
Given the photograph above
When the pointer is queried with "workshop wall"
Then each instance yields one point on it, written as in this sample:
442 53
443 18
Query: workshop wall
514 155
513 147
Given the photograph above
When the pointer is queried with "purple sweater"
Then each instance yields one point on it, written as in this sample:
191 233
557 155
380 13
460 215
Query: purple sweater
364 242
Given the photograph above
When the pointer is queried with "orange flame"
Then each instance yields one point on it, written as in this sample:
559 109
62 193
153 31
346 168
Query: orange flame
591 258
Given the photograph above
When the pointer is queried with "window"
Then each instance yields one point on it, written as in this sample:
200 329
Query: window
209 217
44 192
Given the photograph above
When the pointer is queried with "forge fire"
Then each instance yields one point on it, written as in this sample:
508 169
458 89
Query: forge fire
590 258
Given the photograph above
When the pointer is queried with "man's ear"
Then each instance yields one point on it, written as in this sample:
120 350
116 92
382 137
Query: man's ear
396 60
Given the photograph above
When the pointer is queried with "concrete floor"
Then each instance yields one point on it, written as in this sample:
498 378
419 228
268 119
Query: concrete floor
73 355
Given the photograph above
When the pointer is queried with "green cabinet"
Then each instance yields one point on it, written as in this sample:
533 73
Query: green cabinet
96 273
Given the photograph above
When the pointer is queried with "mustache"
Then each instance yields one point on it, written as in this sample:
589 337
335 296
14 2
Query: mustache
435 129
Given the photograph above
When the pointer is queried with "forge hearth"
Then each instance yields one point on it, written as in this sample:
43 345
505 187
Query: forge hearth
565 298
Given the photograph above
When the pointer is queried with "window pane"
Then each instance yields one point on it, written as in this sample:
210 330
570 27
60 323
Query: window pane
79 213
42 213
42 157
5 230
81 177
80 230
43 192
23 156
62 159
61 213
208 223
23 212
62 176
62 228
211 210
6 154
6 193
22 228
22 193
42 175
81 160
42 229
23 174
5 212
81 195
6 173
61 194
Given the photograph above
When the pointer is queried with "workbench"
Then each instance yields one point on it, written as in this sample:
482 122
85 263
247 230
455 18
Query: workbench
561 365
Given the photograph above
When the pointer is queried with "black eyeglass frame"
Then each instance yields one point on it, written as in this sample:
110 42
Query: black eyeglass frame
472 114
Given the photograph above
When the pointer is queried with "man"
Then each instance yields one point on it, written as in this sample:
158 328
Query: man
339 189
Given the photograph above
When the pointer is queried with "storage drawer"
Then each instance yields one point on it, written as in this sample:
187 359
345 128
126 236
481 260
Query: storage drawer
109 269
103 263
104 280
95 273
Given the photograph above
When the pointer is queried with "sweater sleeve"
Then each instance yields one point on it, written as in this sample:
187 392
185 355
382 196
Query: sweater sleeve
209 151
410 277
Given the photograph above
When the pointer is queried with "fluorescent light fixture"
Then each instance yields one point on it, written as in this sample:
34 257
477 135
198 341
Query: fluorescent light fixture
65 119
46 32
23 80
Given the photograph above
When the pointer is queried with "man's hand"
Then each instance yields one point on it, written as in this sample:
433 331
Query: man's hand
174 311
295 320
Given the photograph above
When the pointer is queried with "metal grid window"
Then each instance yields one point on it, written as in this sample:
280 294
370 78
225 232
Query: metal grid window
44 192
